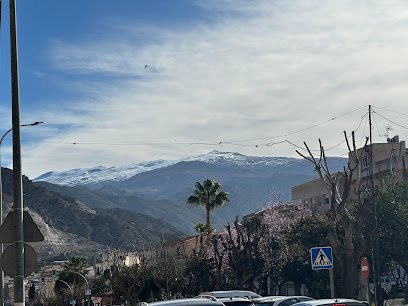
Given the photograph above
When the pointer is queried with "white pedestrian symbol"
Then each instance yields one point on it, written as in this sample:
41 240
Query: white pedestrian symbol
321 259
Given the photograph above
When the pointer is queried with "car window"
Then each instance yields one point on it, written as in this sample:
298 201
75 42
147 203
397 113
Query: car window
302 299
287 302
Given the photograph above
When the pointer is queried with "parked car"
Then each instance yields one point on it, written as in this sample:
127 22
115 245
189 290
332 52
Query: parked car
236 301
280 300
332 302
231 293
186 301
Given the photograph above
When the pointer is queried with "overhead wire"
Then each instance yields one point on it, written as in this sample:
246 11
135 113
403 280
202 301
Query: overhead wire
299 131
404 127
374 107
233 143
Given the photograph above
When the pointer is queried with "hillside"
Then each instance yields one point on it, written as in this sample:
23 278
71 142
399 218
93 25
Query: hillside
161 189
117 227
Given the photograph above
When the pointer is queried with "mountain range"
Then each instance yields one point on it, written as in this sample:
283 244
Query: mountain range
160 188
71 227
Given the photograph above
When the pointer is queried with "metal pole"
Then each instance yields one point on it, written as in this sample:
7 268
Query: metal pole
1 221
72 292
376 262
332 294
19 290
1 215
87 284
1 210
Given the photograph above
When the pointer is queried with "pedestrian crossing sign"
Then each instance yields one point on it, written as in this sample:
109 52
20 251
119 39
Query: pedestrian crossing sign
322 258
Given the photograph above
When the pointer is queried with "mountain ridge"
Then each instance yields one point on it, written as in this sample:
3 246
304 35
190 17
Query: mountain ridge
252 183
100 174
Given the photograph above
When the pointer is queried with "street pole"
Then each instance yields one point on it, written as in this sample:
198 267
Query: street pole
1 211
19 290
72 292
331 276
87 284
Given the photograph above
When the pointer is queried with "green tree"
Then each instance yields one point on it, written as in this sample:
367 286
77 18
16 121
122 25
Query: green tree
76 264
203 229
31 293
209 196
392 221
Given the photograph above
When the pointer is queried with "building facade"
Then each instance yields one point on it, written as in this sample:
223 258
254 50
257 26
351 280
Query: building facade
380 163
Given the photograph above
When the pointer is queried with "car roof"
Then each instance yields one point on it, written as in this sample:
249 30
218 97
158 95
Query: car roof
231 293
274 298
187 301
226 299
331 302
269 298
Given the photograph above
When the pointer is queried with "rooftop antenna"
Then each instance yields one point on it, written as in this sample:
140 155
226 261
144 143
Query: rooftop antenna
387 129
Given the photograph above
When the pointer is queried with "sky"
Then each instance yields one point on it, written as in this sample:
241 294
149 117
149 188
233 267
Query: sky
254 77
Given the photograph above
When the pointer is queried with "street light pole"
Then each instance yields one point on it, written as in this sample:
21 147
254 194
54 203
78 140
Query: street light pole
87 284
1 213
72 292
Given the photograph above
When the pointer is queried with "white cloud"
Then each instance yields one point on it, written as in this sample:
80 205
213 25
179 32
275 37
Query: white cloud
263 69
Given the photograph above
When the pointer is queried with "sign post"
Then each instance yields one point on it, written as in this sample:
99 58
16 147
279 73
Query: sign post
322 258
365 272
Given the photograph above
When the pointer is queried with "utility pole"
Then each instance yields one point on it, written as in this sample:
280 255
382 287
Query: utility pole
19 290
375 251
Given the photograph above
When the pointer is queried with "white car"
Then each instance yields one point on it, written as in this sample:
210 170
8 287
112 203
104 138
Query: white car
332 302
280 300
235 301
231 293
186 302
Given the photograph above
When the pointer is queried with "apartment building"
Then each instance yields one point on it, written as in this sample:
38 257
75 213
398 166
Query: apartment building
385 162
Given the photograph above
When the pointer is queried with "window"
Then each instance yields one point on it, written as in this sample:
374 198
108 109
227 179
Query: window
366 163
326 199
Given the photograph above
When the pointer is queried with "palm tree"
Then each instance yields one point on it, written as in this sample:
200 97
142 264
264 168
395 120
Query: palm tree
208 195
76 264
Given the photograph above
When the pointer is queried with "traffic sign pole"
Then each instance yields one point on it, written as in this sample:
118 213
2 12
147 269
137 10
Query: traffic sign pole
322 258
332 294
365 272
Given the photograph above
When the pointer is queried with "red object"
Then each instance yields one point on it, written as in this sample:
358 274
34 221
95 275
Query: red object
365 268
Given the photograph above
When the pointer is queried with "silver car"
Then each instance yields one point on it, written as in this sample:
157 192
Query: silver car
186 301
280 300
231 293
332 302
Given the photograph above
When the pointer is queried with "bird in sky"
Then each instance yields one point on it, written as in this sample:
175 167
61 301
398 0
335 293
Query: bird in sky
146 66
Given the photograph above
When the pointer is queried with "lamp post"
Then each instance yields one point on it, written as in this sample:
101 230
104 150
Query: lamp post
87 284
1 211
72 292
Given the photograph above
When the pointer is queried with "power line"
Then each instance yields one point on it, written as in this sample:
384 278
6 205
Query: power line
391 111
391 121
218 143
302 130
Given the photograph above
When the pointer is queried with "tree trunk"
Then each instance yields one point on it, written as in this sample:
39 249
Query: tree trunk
208 214
297 286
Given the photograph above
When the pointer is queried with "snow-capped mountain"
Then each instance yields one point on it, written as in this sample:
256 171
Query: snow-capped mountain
101 174
160 188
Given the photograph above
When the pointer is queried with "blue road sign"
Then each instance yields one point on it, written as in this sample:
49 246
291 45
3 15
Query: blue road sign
321 258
